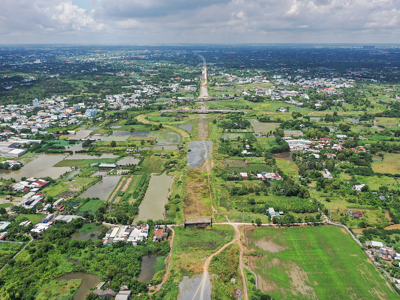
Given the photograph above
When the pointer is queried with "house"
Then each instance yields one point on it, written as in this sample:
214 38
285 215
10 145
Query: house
356 214
375 244
123 295
329 155
358 187
4 225
382 197
160 233
244 175
108 293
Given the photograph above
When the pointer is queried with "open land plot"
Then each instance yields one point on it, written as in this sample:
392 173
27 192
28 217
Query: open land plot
165 137
374 182
252 168
193 243
152 164
263 127
91 206
387 122
34 218
314 263
235 163
288 167
197 202
390 164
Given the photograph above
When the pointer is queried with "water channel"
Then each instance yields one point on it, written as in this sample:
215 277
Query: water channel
152 206
88 281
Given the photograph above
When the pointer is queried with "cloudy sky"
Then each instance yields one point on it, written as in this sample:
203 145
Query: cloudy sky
199 21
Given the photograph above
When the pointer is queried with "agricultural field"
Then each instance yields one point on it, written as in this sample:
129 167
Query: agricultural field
84 162
263 127
390 164
288 167
91 206
313 263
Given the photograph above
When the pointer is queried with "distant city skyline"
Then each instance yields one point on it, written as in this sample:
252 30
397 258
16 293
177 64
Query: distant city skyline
199 21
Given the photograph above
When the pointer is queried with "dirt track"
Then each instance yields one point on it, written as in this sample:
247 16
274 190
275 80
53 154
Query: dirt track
183 133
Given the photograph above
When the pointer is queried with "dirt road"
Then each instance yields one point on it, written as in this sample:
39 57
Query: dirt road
183 133
208 261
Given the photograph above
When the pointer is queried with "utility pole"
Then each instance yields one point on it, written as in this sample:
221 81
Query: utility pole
330 218
243 216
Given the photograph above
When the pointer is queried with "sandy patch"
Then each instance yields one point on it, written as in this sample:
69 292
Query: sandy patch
269 246
299 280
128 182
344 230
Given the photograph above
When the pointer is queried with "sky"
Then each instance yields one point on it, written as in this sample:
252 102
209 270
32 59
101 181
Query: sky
199 21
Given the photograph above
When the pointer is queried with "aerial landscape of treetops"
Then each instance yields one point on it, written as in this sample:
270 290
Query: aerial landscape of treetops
262 172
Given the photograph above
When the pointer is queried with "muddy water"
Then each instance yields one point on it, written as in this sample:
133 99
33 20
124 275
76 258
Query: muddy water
72 174
81 134
129 161
284 156
159 148
200 151
152 206
147 270
88 281
187 127
38 167
102 189
85 236
188 288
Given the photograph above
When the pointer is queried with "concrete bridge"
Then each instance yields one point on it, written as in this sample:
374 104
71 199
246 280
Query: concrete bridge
198 222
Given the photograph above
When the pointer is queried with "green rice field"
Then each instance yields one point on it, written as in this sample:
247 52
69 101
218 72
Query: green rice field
314 263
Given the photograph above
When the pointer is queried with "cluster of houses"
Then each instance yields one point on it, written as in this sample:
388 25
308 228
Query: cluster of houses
382 251
260 176
123 294
50 219
30 184
134 234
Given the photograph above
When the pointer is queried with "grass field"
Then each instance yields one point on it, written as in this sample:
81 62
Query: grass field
374 182
314 263
92 206
390 164
252 168
88 227
33 218
263 127
288 167
56 290
5 205
152 164
192 243
235 163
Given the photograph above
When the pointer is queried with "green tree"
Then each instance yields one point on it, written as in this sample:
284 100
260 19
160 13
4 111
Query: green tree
258 222
113 144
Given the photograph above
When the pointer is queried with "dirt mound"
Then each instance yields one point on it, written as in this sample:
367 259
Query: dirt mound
269 246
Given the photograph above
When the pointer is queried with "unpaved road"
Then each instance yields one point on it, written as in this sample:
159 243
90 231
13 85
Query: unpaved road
183 133
203 283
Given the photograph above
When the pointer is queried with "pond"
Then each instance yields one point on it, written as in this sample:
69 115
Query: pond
72 174
41 166
148 269
188 288
141 133
187 127
85 236
129 160
121 133
159 148
200 151
81 134
102 189
88 281
166 137
152 206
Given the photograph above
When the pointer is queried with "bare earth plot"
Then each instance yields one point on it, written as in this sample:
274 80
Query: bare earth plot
314 263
